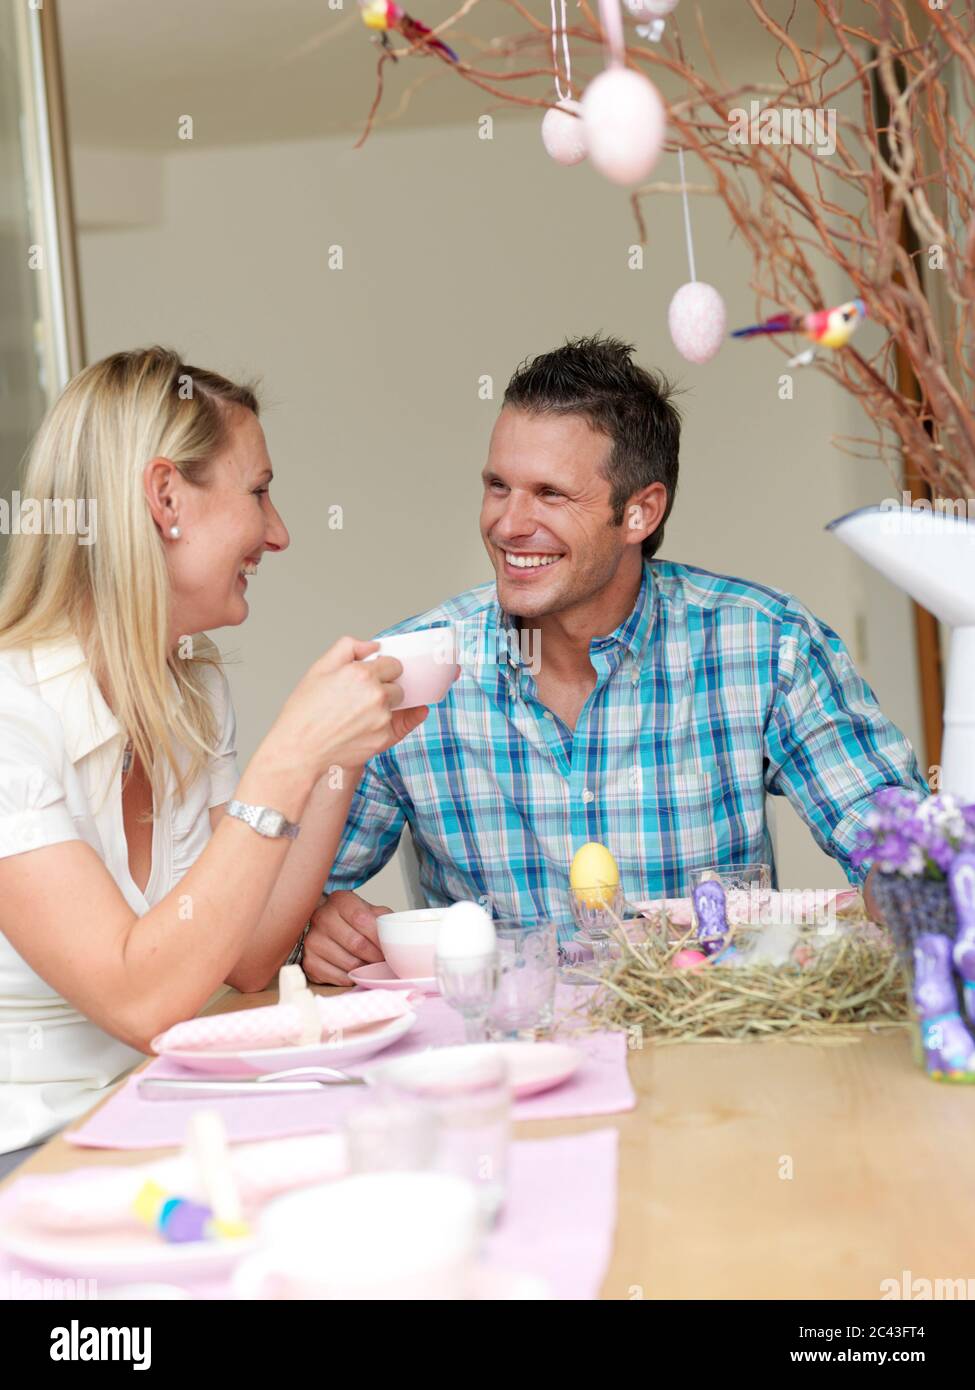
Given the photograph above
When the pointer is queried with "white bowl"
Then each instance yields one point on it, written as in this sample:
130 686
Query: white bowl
429 659
409 941
375 1235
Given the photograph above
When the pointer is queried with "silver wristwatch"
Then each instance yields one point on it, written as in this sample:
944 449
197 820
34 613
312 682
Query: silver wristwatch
298 951
272 824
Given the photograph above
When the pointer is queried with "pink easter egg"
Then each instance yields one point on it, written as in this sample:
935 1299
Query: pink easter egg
625 122
689 960
563 133
698 321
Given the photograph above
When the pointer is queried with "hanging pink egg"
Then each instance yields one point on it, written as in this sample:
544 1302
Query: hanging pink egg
625 122
650 9
563 133
698 321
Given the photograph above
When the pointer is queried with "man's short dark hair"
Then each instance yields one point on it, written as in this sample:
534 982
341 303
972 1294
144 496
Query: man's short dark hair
597 378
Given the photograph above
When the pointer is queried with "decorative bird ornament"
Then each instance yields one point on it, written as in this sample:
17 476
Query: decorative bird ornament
383 15
830 328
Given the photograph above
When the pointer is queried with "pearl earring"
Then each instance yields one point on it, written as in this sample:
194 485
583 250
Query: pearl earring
175 532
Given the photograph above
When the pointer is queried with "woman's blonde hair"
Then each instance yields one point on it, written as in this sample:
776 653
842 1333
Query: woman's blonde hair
113 596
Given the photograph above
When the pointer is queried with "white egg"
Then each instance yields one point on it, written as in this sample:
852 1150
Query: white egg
625 122
698 321
563 134
466 930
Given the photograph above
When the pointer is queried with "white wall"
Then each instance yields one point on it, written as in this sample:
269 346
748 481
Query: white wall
461 257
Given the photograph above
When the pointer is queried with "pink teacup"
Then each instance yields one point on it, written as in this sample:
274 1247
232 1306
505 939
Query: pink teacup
409 941
429 660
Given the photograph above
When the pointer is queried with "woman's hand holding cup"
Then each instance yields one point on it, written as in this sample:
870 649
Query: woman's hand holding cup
341 711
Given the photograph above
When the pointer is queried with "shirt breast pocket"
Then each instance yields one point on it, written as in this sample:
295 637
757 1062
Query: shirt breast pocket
719 811
693 795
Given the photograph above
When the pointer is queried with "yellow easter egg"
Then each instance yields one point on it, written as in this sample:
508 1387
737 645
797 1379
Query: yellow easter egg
594 877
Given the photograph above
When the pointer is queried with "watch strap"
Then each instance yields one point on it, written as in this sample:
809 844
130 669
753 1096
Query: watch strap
273 825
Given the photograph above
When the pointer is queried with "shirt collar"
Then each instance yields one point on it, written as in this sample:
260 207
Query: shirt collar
66 684
629 640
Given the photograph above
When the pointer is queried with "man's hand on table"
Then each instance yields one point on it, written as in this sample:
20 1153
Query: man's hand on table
869 901
343 935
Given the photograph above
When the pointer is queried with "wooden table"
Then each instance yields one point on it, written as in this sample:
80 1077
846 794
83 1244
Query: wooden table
764 1170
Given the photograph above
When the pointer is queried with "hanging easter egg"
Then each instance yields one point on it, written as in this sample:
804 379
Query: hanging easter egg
563 133
625 121
698 321
650 9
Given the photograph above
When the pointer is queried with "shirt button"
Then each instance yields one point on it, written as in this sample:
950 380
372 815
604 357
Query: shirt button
587 795
549 714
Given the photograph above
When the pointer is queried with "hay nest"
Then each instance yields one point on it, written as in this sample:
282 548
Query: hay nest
852 983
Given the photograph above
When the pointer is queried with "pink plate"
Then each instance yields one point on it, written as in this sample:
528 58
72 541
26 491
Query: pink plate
381 977
112 1255
532 1066
354 1046
260 1278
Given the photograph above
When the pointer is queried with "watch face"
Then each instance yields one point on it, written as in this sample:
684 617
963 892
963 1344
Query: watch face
270 823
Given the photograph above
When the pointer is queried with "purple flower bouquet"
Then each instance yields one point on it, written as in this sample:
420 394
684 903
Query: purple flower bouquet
924 851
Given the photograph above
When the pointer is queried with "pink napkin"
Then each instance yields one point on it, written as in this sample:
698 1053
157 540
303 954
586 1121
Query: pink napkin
281 1025
558 1222
802 904
98 1199
601 1086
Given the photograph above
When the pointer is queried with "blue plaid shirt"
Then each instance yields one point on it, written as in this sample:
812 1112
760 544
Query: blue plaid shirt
713 694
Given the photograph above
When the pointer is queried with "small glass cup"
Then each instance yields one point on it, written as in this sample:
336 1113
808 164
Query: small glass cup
597 912
736 877
468 984
747 888
524 1003
468 1091
391 1136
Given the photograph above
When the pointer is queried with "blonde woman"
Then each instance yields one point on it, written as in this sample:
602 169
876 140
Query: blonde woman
138 869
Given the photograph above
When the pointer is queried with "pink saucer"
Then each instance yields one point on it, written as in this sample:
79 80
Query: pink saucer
533 1067
380 976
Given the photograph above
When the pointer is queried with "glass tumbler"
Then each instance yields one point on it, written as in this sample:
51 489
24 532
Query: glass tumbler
467 1089
524 1002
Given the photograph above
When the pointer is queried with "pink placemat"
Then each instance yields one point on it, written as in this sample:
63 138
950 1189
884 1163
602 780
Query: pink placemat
558 1222
601 1086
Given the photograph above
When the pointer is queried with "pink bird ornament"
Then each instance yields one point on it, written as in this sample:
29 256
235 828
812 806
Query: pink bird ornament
830 328
383 15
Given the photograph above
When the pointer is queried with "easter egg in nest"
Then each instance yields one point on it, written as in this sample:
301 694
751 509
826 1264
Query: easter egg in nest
689 960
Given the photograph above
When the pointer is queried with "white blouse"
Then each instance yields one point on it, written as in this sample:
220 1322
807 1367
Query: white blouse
61 779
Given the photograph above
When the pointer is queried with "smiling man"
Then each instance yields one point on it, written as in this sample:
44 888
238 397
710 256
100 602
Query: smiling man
605 695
